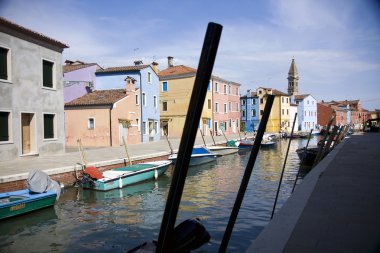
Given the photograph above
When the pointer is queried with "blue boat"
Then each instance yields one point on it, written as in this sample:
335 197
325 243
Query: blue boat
199 156
24 201
95 179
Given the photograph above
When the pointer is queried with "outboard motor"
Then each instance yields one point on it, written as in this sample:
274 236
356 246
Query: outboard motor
189 235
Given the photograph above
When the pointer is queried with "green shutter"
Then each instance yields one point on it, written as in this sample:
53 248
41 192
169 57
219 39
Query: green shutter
3 63
4 131
48 126
47 74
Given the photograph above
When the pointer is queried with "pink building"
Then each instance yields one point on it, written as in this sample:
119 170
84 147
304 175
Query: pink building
226 110
103 118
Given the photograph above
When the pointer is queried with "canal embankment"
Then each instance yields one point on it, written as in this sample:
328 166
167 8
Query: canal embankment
65 167
335 208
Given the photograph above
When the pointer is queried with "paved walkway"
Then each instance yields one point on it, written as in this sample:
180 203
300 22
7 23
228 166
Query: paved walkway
17 169
337 206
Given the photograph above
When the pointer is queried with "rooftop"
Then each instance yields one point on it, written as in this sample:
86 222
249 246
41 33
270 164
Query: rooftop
98 97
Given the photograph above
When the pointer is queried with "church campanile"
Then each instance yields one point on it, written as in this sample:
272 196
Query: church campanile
293 79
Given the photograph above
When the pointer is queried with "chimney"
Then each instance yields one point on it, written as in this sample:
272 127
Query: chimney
170 61
155 67
138 62
129 84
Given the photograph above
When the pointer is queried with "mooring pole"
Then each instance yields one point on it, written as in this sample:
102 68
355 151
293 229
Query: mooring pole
247 174
283 167
212 136
167 139
204 142
204 70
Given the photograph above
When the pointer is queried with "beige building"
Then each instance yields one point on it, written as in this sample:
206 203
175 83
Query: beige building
176 85
104 117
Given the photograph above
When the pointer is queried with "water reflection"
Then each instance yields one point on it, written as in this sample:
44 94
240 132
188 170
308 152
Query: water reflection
118 220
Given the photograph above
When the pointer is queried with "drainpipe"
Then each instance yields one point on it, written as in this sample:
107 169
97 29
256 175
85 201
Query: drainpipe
111 124
141 110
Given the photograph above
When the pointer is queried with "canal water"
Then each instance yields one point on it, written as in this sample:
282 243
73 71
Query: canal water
118 220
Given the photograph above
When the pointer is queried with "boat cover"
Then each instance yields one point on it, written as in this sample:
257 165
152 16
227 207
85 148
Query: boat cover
39 182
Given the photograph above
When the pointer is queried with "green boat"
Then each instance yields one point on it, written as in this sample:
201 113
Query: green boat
24 201
123 176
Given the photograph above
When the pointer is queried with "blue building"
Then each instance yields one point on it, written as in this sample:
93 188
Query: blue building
146 79
249 108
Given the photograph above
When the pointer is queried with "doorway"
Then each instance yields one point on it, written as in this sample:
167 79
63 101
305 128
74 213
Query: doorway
28 143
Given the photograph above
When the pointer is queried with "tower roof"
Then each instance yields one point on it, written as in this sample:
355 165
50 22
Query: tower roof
293 69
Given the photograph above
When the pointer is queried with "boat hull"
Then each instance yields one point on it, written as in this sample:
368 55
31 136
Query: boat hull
307 156
221 150
149 171
197 159
23 201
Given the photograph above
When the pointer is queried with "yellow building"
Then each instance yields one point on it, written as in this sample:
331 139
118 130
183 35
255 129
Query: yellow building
176 85
279 118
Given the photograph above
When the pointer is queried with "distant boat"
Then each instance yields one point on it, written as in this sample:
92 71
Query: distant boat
267 143
42 192
199 156
223 150
95 179
245 143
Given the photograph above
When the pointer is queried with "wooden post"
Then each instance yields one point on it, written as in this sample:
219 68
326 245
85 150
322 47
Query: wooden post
82 154
167 139
204 142
212 136
322 145
126 151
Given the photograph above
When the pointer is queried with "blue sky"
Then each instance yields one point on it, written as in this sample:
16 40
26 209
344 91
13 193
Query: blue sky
336 44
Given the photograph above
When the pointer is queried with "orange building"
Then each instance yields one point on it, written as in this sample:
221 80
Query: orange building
104 117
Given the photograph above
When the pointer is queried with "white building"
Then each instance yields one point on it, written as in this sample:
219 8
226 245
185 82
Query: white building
31 93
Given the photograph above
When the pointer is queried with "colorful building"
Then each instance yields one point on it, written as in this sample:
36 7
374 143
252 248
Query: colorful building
279 118
250 111
78 79
176 85
102 118
148 97
307 112
31 88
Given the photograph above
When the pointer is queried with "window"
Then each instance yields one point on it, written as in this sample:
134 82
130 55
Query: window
243 102
47 74
137 99
287 111
237 107
5 122
282 99
253 101
144 127
138 125
209 104
229 106
243 114
216 87
164 86
282 111
164 106
253 113
229 89
4 63
260 91
149 77
225 89
287 100
216 107
237 91
155 127
49 126
230 123
91 123
155 102
261 101
225 108
144 99
261 112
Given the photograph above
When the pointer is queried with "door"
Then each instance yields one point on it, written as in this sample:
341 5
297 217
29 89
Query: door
151 132
123 133
26 119
205 127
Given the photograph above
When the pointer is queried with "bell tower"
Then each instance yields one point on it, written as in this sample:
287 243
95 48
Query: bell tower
293 79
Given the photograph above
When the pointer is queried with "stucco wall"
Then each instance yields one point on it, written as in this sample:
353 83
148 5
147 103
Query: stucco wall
78 81
26 94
